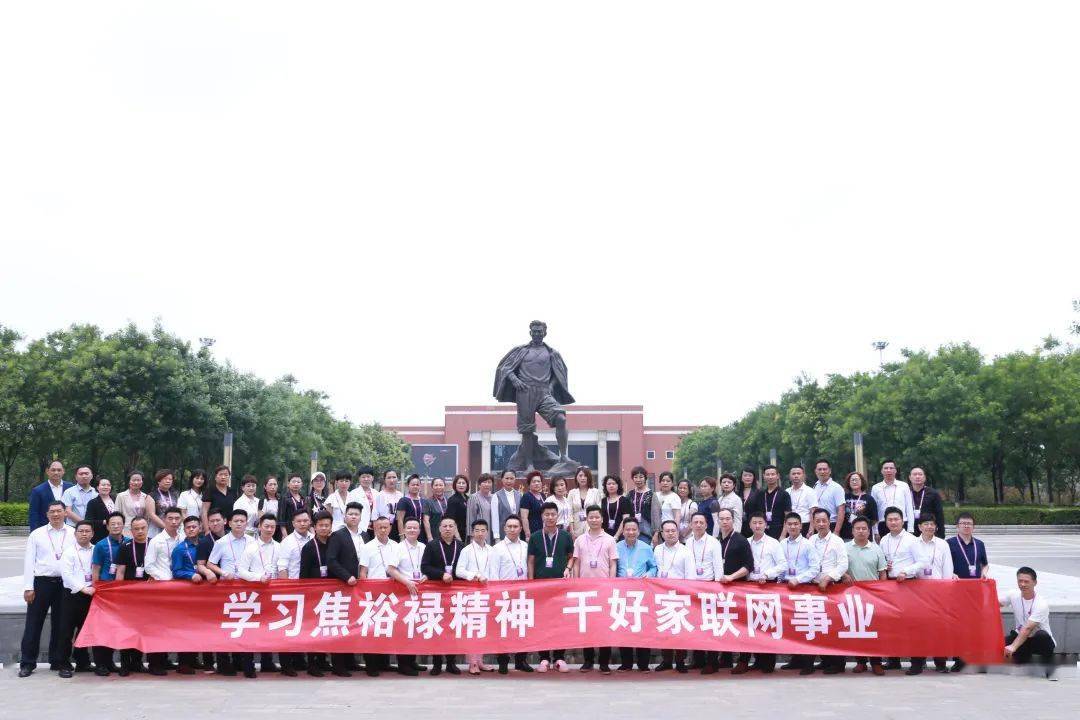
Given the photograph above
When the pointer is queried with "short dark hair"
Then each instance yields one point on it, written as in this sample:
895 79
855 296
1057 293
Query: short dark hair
268 516
728 510
162 474
238 511
861 519
343 475
666 474
416 520
548 506
965 516
190 518
117 513
55 503
215 511
172 511
755 514
792 516
769 467
87 523
322 515
700 514
928 517
892 509
819 511
663 524
354 506
249 479
302 511
512 516
484 477
630 519
365 470
147 522
593 507
886 461
796 466
478 522
729 476
219 468
822 460
1027 571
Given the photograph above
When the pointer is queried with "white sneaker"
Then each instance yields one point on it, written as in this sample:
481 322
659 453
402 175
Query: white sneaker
561 666
543 667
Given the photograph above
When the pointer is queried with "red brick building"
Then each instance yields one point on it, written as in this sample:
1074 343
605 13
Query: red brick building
610 439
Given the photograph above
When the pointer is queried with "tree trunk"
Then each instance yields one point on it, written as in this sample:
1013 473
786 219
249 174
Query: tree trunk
1031 483
960 494
1049 484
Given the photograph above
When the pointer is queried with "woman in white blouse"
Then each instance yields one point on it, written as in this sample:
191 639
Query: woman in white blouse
581 497
132 502
561 500
191 500
687 507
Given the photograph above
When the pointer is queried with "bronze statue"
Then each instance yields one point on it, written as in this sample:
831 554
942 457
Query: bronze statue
534 377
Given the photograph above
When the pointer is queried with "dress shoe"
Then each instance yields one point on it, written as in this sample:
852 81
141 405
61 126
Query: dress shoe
102 672
66 672
523 667
892 664
288 671
767 670
341 672
807 671
605 670
372 672
185 670
453 669
914 670
269 667
407 671
436 671
249 673
833 670
662 667
123 672
859 668
624 668
158 671
789 666
315 671
958 665
87 667
709 670
585 667
681 669
740 669
878 670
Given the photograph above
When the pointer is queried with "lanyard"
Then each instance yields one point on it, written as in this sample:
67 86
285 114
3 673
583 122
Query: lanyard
232 550
109 546
63 535
453 557
639 500
704 544
487 558
417 506
723 546
318 555
262 560
895 546
922 496
135 554
510 552
769 506
78 554
187 549
599 542
974 560
933 556
408 551
554 543
611 511
441 502
670 552
787 556
1026 610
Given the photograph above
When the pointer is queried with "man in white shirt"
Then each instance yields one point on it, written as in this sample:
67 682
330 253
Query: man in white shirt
768 564
891 492
249 503
76 496
476 563
706 555
228 550
288 566
43 587
673 562
1031 622
901 561
802 566
828 495
76 572
834 563
935 557
802 497
259 564
511 562
158 563
405 568
365 494
376 556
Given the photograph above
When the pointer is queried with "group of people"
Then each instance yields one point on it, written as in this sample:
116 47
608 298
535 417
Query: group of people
540 528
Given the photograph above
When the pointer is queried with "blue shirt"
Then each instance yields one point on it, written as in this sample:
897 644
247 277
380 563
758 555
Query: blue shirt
105 555
183 560
963 556
829 496
639 560
76 499
708 506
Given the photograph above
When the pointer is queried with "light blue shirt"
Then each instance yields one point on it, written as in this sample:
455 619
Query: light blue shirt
76 499
638 560
828 496
800 556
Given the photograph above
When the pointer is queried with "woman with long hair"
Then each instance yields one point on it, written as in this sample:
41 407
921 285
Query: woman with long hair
133 501
191 500
457 505
582 495
687 507
858 501
317 493
615 507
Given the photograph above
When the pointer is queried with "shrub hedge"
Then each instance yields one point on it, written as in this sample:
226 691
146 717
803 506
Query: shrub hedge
14 513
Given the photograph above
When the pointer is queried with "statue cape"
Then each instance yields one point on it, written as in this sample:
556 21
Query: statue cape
505 390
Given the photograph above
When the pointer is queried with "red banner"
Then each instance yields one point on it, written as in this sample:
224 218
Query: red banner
919 618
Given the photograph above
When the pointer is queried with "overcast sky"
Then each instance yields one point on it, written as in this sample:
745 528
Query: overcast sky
702 199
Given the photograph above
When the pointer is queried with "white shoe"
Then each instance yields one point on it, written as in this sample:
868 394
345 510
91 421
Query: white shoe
543 667
561 666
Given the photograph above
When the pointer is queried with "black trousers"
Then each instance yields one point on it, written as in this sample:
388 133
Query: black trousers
630 656
440 661
501 658
186 659
590 655
921 662
131 659
762 661
377 661
872 660
73 609
1038 643
674 657
48 595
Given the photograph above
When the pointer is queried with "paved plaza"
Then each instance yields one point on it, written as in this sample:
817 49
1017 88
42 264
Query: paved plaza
998 694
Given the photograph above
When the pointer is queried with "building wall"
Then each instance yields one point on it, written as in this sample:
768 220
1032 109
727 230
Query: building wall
634 437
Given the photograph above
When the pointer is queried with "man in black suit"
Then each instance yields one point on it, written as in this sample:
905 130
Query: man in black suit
343 563
738 562
438 565
313 566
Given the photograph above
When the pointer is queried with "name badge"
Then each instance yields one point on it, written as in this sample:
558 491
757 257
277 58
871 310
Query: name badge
322 571
138 572
593 563
917 514
449 569
768 517
520 572
629 572
971 570
927 572
611 524
415 575
87 577
791 571
701 571
112 569
581 516
549 562
663 573
638 516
